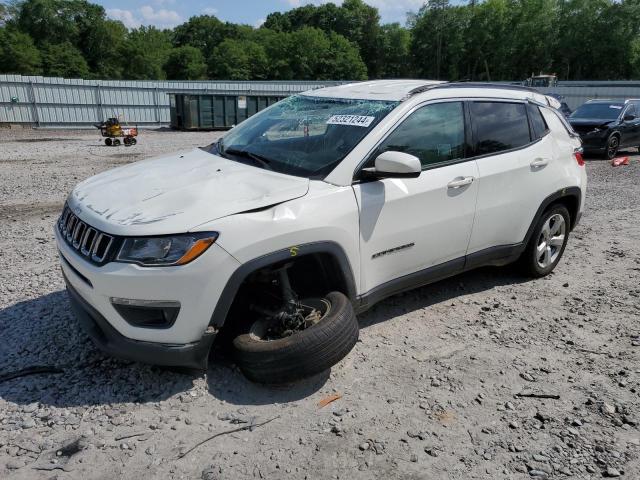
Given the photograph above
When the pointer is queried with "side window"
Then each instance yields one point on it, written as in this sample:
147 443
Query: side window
631 110
434 134
538 123
499 126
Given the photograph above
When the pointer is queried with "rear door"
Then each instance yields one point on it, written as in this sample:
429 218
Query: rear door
410 224
518 169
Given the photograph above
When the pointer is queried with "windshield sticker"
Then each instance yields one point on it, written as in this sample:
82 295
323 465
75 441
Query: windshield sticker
617 107
353 120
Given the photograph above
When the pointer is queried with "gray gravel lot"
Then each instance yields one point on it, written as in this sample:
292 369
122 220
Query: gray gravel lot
429 392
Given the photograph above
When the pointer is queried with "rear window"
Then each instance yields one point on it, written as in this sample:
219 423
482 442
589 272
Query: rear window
538 122
499 126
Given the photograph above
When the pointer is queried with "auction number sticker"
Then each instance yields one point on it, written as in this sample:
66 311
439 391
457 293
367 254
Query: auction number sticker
353 120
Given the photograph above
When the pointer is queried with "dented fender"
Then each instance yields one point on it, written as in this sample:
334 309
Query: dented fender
327 213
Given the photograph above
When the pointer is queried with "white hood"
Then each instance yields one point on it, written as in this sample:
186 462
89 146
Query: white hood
175 193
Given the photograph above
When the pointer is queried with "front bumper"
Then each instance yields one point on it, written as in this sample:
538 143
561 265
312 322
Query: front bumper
109 340
594 142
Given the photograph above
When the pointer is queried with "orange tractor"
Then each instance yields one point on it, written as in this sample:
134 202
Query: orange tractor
113 131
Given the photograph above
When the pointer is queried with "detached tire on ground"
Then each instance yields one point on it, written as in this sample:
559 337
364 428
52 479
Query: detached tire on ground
304 353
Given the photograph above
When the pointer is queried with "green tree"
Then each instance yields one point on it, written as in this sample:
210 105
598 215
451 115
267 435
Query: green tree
239 60
18 53
79 23
102 47
314 55
276 47
362 26
355 20
438 40
56 21
344 60
204 32
185 63
394 51
64 60
145 52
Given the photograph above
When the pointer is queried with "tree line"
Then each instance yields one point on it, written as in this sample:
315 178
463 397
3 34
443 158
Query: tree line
487 40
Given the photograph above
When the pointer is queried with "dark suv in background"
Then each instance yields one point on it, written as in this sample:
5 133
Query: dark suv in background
606 126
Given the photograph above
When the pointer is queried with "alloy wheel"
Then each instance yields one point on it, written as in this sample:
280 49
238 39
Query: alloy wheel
612 147
551 240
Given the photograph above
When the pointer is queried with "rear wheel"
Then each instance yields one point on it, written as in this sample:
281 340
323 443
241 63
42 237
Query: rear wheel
304 338
116 142
547 243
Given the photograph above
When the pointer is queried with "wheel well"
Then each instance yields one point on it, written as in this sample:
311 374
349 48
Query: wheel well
571 203
310 275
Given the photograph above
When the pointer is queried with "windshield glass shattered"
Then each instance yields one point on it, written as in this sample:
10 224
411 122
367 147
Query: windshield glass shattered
604 111
302 135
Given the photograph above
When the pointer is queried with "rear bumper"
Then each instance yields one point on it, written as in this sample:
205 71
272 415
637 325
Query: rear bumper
109 340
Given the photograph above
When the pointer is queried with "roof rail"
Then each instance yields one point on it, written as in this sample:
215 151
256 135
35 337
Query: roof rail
503 86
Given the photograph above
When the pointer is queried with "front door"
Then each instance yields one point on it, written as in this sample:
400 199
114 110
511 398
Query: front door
408 225
630 129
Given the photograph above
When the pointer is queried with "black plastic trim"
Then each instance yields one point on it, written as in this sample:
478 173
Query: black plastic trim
143 316
494 256
409 282
565 192
109 340
233 284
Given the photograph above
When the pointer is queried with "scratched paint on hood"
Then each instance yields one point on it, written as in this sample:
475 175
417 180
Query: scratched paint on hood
174 193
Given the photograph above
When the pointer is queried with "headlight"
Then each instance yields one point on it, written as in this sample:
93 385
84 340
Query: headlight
165 251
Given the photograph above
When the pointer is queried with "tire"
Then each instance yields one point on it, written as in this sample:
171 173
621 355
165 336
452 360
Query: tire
107 142
116 142
127 141
613 144
133 141
304 353
537 262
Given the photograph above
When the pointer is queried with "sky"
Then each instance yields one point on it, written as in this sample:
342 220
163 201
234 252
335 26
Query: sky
169 13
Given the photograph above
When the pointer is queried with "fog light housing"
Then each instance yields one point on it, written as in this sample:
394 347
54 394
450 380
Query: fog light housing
147 313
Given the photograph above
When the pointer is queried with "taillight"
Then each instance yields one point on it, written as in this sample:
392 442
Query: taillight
578 154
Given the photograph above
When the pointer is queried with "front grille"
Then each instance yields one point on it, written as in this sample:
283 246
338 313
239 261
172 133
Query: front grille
88 242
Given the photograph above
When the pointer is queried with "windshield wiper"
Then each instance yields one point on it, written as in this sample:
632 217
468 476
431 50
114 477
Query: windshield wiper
262 161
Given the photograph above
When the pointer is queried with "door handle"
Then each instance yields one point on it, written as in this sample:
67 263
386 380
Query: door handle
460 182
539 162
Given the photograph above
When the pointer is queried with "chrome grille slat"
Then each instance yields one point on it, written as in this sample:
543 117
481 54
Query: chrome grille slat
89 242
84 249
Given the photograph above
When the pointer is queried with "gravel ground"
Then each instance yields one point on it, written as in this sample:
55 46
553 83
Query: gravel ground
429 392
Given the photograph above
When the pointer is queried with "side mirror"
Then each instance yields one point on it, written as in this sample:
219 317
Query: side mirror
628 118
393 164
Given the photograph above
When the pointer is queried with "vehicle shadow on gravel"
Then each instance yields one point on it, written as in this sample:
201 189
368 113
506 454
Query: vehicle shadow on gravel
43 333
226 383
471 282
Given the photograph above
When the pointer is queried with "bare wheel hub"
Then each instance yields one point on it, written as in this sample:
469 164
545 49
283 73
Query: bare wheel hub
294 317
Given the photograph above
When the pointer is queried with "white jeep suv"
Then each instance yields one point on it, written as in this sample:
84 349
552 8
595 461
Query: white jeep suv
312 210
